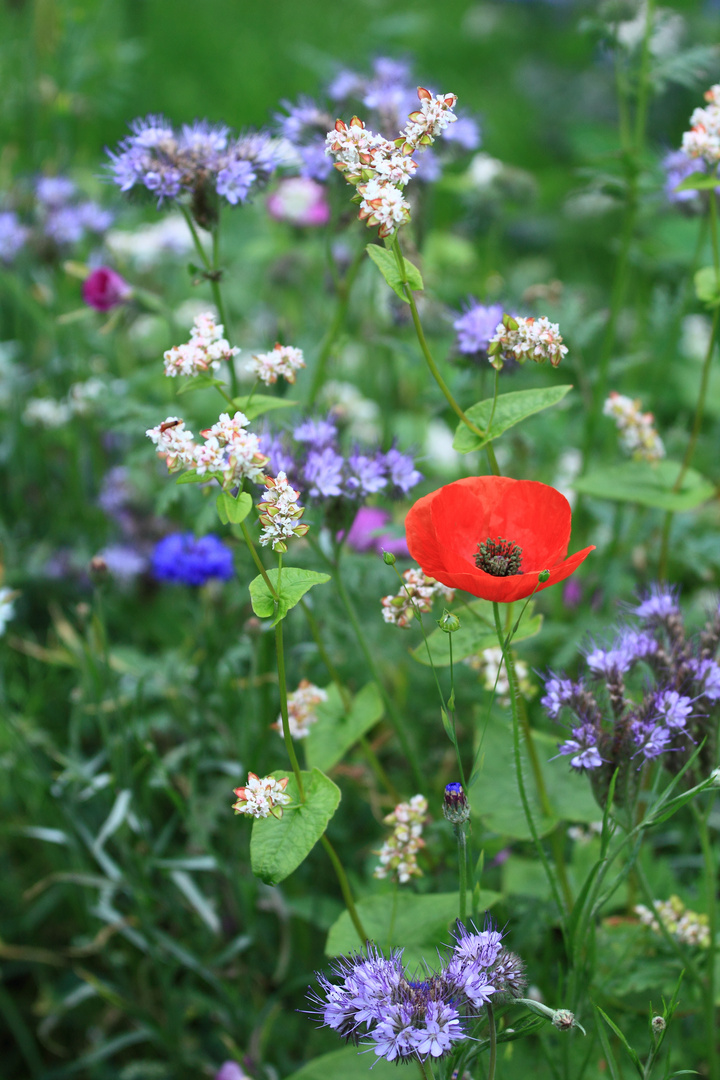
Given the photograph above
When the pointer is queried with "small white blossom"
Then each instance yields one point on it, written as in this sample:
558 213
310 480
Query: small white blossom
283 360
384 205
280 513
203 352
685 925
490 666
429 121
302 705
524 339
228 449
7 607
260 798
47 412
174 442
416 595
398 855
637 432
703 139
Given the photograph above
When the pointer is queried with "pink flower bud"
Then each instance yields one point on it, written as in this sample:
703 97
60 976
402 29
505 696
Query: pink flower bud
105 289
299 201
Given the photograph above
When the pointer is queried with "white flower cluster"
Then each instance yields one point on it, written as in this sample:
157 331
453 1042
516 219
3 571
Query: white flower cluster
7 607
490 666
229 450
280 513
260 798
282 360
51 413
685 925
380 169
637 433
203 352
524 339
703 139
302 705
416 595
398 855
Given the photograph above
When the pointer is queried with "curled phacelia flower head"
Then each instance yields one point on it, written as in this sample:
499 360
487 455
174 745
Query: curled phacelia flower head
374 1002
260 798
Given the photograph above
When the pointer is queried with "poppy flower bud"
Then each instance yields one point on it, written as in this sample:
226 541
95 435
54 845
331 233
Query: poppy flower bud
543 576
449 622
388 558
456 808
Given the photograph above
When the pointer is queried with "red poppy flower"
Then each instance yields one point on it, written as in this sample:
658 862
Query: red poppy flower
491 536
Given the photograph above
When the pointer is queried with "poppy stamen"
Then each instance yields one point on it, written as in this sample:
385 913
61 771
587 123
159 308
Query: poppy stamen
499 557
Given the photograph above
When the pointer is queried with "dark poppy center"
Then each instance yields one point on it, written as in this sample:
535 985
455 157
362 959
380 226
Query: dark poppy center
499 557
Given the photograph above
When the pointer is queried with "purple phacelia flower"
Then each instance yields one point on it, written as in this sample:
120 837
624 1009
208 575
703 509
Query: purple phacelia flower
323 471
476 326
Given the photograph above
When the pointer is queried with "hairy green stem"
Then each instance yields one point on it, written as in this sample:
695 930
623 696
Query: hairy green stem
706 847
513 688
345 889
258 562
424 348
460 833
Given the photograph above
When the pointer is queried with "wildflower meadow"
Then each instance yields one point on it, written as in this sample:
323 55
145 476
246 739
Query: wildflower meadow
360 540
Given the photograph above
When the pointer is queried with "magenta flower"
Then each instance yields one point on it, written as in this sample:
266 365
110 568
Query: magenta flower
104 289
367 533
299 201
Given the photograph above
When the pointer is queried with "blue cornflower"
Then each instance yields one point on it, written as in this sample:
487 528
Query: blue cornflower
188 560
476 326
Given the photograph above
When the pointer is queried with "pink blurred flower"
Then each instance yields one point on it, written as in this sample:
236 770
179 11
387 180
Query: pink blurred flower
104 289
230 1070
366 533
299 201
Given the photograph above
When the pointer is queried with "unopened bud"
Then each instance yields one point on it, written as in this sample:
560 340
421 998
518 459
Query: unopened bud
509 323
563 1019
449 622
456 808
658 1024
98 567
543 576
715 778
388 558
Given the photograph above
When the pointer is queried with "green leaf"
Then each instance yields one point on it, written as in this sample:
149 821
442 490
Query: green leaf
510 409
294 583
698 181
613 1027
278 846
256 404
198 382
231 510
336 731
494 794
417 923
352 1063
193 478
476 633
707 286
388 267
648 485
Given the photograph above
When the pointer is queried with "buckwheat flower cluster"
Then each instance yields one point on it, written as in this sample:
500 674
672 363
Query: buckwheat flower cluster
398 855
666 716
260 798
201 159
283 360
637 431
203 352
373 1002
280 513
703 138
230 453
524 339
379 168
490 666
415 597
685 925
302 709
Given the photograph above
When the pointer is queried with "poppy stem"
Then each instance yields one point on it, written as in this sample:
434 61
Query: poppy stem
514 692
